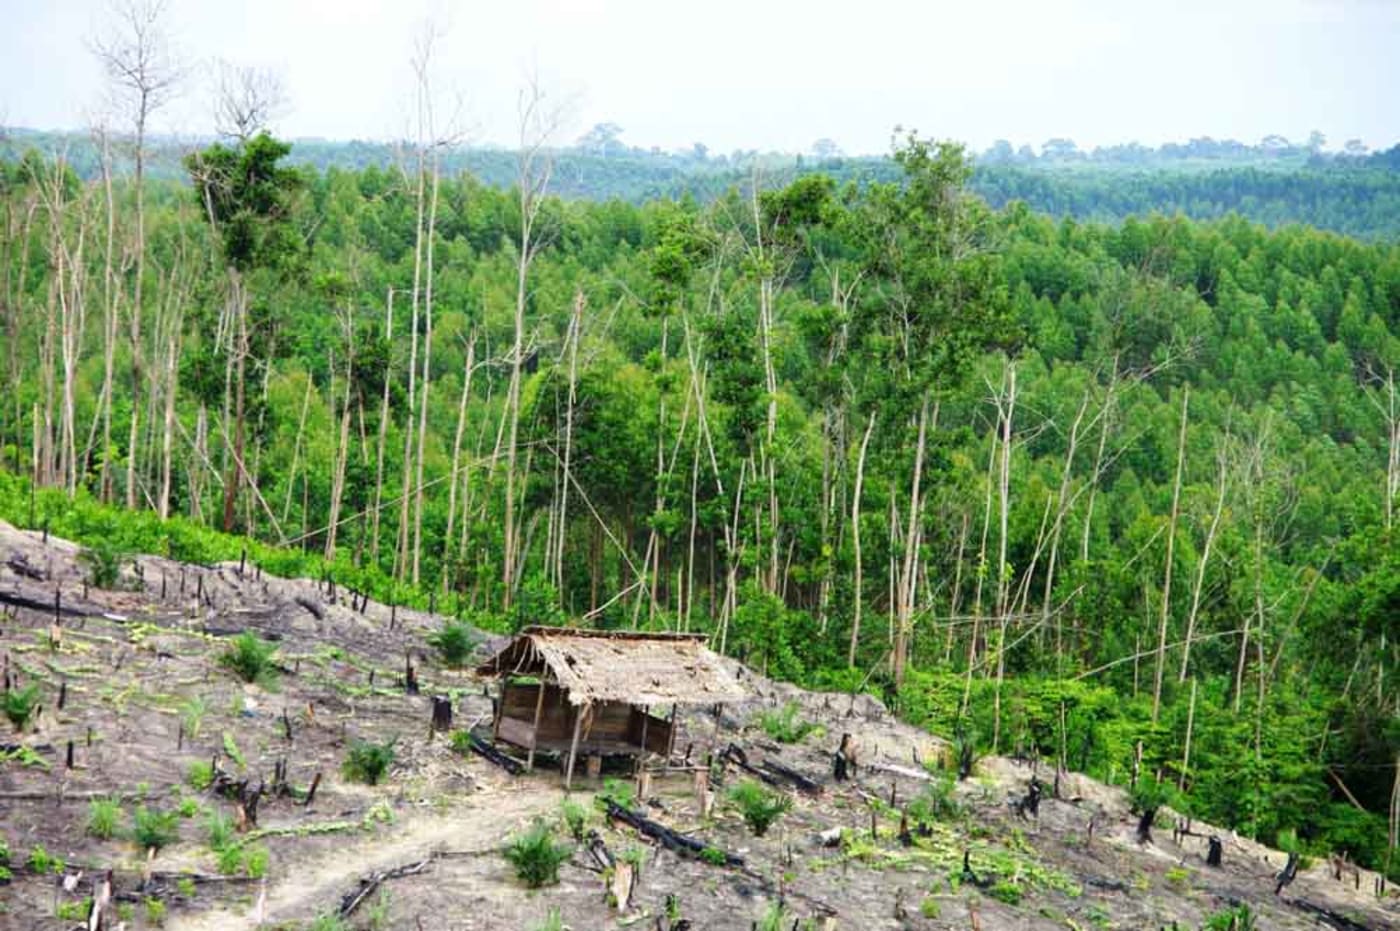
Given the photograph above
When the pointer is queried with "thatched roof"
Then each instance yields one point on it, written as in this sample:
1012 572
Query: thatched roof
604 665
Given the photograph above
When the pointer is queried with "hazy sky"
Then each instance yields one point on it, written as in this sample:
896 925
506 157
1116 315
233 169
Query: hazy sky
763 73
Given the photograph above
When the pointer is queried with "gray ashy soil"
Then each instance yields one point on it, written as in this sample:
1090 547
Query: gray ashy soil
146 700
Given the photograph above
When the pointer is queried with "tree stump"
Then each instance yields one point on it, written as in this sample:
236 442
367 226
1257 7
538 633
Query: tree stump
620 885
1213 855
442 714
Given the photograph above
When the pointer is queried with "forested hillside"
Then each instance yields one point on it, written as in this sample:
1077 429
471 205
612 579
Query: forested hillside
1351 194
1122 495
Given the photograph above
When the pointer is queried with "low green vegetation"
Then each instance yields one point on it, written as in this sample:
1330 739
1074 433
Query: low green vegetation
104 561
454 643
20 705
153 829
41 861
368 762
104 818
536 855
759 805
250 658
200 774
575 817
786 725
1236 918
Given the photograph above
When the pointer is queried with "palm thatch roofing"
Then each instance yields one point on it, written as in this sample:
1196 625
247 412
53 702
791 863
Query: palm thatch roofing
626 666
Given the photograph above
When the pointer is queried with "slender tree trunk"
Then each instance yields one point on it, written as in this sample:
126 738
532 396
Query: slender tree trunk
904 595
1171 553
456 478
857 593
427 373
1003 571
1198 587
383 430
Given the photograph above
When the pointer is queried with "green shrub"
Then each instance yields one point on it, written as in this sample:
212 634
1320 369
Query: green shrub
575 818
192 716
255 862
936 802
219 828
155 912
230 859
152 829
785 726
200 775
185 886
73 911
329 922
759 806
714 856
536 857
188 807
776 917
461 742
41 861
21 704
552 922
368 762
454 643
1239 918
250 658
104 815
1006 891
104 561
620 792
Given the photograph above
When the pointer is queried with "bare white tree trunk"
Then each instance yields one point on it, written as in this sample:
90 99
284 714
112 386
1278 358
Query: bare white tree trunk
1171 553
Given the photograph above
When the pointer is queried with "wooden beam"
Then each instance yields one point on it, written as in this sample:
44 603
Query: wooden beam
573 744
535 729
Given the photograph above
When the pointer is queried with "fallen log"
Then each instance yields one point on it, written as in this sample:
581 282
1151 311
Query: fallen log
1328 917
773 773
368 884
483 749
672 840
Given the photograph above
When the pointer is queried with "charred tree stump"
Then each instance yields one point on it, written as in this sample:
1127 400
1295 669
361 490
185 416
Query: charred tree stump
1288 874
311 792
410 676
843 763
1144 828
1028 805
442 715
1216 849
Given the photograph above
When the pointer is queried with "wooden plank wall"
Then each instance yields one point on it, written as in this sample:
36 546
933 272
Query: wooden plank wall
613 723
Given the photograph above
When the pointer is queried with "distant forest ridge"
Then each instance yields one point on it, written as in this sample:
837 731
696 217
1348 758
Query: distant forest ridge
1275 183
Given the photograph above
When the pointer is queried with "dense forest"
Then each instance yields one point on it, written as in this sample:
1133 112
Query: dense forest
1118 495
1277 184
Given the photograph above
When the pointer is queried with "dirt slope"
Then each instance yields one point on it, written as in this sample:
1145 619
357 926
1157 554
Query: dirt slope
145 700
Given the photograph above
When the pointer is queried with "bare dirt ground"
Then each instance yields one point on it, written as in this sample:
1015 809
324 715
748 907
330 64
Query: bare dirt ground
145 700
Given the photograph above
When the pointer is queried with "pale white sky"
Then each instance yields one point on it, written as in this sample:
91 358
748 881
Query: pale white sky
766 74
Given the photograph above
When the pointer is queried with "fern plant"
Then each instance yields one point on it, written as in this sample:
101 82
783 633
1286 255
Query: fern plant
250 658
536 857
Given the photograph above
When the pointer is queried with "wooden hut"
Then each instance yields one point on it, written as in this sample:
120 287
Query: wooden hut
596 692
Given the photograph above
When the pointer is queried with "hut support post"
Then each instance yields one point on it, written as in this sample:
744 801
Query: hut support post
641 757
573 744
534 730
671 737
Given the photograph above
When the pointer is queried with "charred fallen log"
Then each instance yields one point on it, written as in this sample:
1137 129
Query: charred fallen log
674 841
485 750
